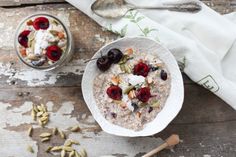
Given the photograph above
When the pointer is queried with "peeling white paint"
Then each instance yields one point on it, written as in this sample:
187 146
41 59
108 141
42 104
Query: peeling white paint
12 143
39 78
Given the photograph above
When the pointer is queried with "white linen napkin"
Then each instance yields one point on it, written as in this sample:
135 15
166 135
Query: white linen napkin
203 43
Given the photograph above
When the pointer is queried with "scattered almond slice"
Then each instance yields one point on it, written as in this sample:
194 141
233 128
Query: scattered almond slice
72 154
62 134
63 153
75 129
56 148
45 139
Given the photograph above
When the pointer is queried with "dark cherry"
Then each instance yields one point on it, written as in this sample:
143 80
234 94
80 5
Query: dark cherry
163 75
53 52
114 92
41 23
141 69
23 38
143 94
103 63
115 55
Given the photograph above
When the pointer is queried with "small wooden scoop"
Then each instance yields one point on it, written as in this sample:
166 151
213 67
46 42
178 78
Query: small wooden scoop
171 141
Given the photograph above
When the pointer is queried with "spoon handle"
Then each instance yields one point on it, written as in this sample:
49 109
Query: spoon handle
191 7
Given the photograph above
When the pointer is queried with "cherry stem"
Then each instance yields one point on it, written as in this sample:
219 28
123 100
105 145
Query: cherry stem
93 59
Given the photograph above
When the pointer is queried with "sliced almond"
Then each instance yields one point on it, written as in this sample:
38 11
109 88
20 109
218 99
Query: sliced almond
40 123
56 148
62 134
45 139
45 134
149 80
68 149
75 129
30 149
115 80
30 130
132 94
44 109
63 153
35 108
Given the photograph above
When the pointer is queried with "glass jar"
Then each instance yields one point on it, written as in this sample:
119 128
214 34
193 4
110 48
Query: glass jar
43 42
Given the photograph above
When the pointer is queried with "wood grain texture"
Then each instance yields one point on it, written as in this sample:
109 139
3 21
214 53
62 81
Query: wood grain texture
206 124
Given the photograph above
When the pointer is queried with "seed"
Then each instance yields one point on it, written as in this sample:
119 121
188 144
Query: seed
68 143
39 114
30 130
62 134
163 75
48 149
75 129
45 139
30 149
68 149
56 148
45 134
72 154
54 131
33 114
63 153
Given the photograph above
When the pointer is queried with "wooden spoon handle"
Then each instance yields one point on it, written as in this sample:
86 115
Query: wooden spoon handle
156 150
171 141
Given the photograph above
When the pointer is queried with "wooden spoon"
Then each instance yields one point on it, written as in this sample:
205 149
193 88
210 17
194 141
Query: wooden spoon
171 141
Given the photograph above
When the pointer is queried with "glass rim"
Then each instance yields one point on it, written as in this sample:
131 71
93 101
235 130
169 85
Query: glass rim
67 52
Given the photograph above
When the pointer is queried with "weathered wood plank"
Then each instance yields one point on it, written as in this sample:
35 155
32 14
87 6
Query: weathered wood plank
6 3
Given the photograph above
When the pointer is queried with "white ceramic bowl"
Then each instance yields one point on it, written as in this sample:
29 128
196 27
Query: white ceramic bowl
174 101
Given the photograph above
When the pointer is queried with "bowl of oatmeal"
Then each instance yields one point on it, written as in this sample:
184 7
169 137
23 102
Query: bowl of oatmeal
133 87
43 42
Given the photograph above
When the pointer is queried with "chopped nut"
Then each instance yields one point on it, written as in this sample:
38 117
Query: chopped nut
132 94
30 130
149 80
129 51
61 35
75 129
115 80
30 149
138 114
45 134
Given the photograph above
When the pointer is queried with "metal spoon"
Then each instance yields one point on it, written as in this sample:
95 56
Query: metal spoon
118 8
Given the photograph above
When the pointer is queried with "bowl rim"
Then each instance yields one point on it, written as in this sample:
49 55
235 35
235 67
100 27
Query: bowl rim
166 123
68 51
